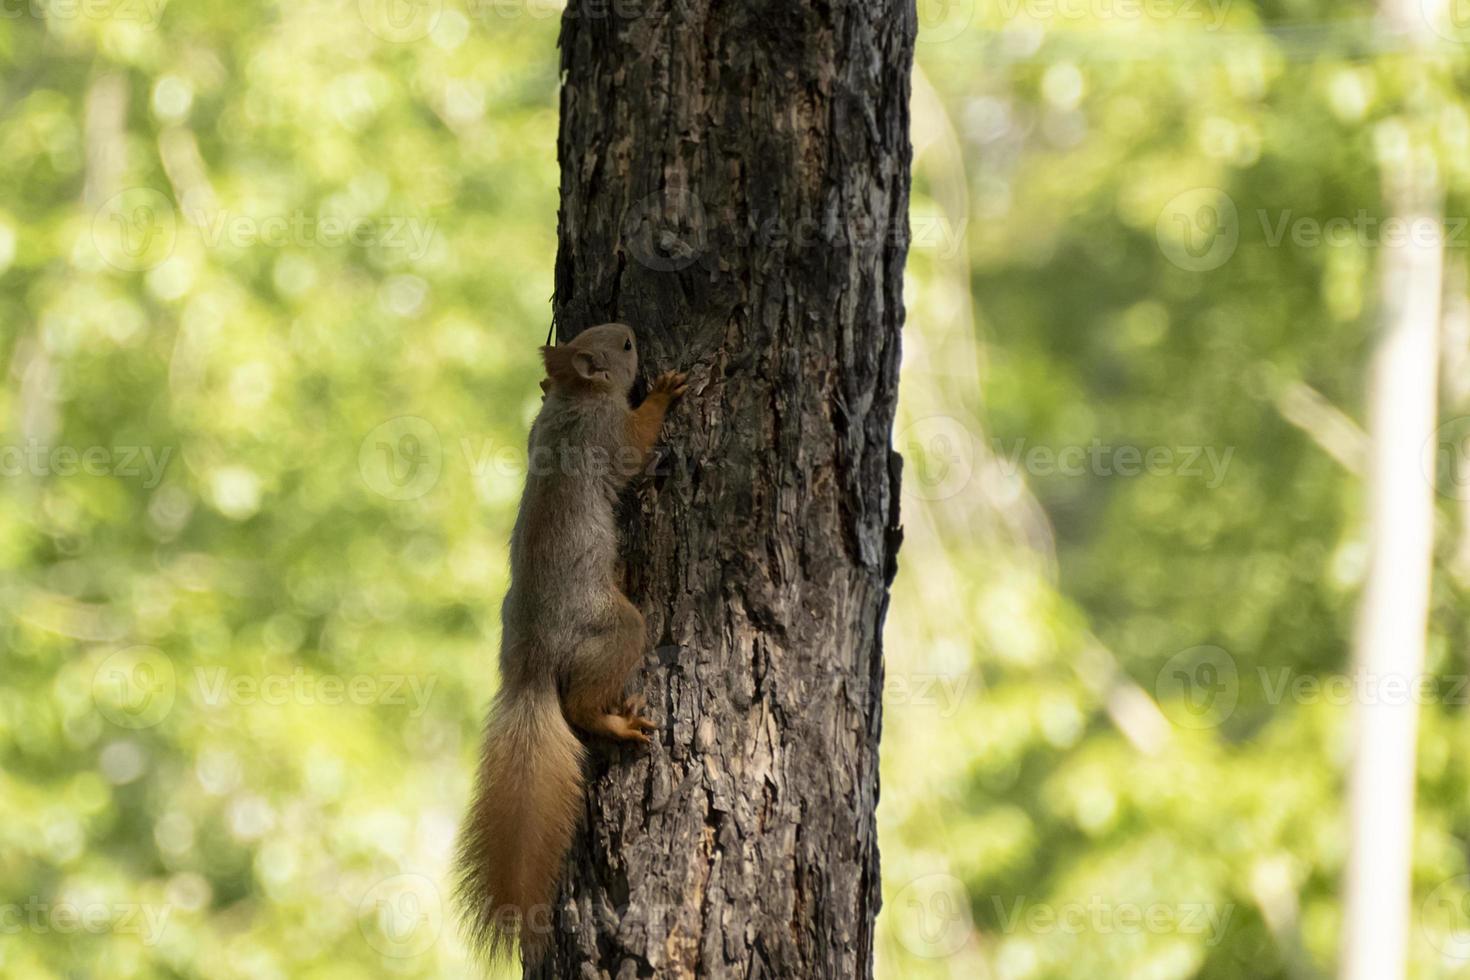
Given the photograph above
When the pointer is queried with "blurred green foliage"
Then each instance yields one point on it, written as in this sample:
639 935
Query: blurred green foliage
1171 234
271 282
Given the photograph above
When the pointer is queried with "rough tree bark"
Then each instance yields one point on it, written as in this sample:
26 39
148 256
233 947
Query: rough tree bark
735 185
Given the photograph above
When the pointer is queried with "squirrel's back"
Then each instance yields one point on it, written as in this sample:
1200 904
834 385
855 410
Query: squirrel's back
565 544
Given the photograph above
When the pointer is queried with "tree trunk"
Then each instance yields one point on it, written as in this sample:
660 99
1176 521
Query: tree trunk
735 185
1389 646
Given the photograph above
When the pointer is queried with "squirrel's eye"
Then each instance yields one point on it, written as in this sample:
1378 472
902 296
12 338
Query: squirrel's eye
627 345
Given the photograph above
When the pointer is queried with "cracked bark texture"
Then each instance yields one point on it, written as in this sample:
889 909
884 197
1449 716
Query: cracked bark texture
735 185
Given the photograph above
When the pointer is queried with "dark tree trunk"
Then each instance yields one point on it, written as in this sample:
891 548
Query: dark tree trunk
735 185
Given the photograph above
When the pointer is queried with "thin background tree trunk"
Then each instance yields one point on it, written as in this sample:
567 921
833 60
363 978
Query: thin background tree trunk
735 185
1393 614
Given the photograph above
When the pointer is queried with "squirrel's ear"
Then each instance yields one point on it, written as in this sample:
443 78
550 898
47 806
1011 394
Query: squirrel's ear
589 365
570 366
558 361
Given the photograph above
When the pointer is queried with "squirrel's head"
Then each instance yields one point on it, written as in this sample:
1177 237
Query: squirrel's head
601 358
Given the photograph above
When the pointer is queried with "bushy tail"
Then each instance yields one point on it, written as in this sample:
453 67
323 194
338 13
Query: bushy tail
526 804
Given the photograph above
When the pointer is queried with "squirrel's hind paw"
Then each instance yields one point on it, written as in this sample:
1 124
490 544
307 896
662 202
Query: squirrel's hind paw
626 722
627 729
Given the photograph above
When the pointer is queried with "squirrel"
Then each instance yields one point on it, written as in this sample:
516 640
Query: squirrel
569 638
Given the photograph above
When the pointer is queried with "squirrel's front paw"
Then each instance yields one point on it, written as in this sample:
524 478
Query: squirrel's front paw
670 384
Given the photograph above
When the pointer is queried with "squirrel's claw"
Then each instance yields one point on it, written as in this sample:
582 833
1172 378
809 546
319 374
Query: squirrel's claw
628 729
628 723
671 383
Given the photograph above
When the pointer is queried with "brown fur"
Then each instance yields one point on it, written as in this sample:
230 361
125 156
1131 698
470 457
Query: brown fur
569 639
525 809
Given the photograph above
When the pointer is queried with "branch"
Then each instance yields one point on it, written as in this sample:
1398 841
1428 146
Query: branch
1330 428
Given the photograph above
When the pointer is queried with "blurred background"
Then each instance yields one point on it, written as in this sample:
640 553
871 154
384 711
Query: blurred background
272 279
